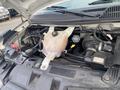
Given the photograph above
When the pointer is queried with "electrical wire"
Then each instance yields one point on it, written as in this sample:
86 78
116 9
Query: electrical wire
31 36
73 58
98 39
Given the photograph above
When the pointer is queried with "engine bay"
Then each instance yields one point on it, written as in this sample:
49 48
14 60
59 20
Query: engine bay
83 46
95 48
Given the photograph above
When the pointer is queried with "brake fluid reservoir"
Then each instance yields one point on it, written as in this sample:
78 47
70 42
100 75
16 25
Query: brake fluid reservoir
54 45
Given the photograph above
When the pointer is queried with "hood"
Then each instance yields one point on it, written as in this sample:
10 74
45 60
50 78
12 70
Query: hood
29 7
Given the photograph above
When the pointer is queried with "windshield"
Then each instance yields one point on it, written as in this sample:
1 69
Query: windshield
79 11
71 4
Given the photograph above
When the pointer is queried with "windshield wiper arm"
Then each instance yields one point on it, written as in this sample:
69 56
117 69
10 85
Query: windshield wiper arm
81 14
100 2
56 8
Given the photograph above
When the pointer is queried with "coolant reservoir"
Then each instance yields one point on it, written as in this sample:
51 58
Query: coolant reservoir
54 45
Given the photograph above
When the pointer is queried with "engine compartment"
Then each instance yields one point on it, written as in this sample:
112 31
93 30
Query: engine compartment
94 48
90 47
